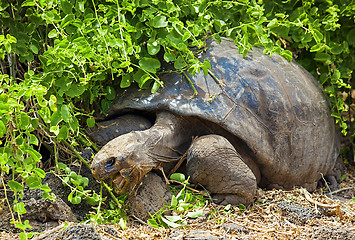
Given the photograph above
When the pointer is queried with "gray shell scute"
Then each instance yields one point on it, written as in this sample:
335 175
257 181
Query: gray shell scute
276 107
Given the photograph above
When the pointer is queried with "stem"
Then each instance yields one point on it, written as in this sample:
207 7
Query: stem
216 78
111 193
99 206
77 154
191 83
56 158
85 140
7 200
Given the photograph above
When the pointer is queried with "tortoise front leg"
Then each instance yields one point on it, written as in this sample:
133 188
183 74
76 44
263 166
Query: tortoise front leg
213 162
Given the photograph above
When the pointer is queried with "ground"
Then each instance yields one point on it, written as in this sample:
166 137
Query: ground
276 214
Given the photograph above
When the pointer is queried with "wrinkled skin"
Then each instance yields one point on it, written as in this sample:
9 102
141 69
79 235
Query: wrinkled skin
127 158
272 112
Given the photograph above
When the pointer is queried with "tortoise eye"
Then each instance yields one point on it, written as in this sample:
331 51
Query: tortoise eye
110 162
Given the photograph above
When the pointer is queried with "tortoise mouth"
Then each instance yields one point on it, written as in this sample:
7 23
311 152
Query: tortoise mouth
123 181
120 183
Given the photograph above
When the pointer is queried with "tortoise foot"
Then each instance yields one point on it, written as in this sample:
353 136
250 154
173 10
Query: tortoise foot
213 162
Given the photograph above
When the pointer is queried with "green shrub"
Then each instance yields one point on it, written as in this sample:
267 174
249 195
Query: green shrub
61 61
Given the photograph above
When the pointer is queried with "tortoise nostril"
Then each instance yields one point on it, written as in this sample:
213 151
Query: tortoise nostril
110 162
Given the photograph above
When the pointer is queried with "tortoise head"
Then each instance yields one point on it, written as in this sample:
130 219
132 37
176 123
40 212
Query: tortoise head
122 160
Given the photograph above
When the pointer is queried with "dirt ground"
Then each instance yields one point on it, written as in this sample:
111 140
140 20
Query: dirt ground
276 214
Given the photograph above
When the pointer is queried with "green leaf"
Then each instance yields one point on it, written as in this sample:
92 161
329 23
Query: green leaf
169 223
156 86
93 200
34 124
287 54
24 121
153 223
176 42
33 182
336 49
36 156
65 113
3 129
15 186
350 37
45 114
149 64
40 172
242 207
45 188
105 105
67 20
322 57
74 124
81 6
173 218
28 3
53 103
178 177
195 214
20 208
317 48
33 140
56 118
63 133
159 22
53 33
206 66
90 122
75 90
153 46
70 196
110 93
66 6
54 129
126 81
174 201
33 48
169 56
76 200
318 36
180 63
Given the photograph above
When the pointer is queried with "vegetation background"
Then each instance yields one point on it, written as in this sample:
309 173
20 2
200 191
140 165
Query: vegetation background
62 61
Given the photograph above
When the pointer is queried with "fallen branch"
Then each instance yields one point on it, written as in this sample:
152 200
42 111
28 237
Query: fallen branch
311 200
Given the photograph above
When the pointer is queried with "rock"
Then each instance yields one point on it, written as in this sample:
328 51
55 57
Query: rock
233 228
295 212
192 234
61 191
41 213
334 232
79 231
151 196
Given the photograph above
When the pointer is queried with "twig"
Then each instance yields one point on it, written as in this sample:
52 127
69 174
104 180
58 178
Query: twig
326 184
342 189
309 198
181 160
139 220
190 188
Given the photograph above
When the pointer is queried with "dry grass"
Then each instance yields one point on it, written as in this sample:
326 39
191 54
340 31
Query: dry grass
276 214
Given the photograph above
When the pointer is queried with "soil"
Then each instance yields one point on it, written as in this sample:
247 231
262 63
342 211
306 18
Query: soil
275 214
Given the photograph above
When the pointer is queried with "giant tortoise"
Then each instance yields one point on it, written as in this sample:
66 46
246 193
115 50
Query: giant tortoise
256 120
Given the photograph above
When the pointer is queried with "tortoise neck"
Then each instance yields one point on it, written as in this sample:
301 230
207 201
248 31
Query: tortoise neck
166 139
